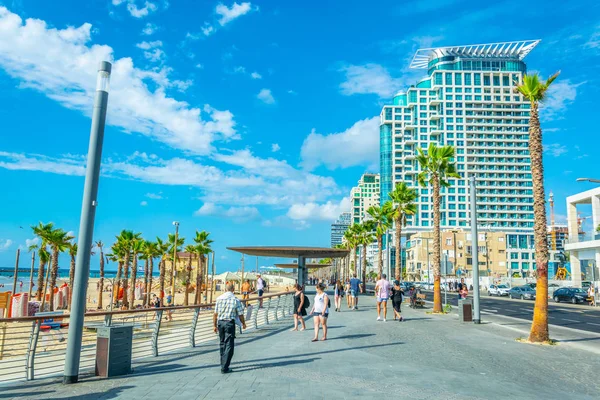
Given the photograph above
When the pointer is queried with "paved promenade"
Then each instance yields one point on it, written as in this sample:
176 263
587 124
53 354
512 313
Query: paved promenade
426 357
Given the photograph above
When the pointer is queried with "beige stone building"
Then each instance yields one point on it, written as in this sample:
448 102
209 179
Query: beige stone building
456 247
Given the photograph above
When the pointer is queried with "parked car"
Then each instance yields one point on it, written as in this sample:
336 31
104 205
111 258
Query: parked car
522 292
573 295
498 290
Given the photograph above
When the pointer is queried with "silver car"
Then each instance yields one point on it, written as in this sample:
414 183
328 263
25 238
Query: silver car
498 290
522 292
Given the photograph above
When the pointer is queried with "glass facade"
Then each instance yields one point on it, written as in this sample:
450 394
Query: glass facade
468 103
339 227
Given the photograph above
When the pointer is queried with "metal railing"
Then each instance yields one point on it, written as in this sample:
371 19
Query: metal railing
33 347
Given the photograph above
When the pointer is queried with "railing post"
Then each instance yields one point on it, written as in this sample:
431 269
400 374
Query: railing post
256 316
267 312
31 348
277 308
108 320
193 327
156 332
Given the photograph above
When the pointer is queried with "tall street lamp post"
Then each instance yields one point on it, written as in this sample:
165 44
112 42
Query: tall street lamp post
86 226
176 223
588 180
475 252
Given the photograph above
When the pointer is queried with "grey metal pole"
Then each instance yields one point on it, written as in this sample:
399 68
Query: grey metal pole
15 288
475 252
428 265
86 226
174 264
31 275
301 268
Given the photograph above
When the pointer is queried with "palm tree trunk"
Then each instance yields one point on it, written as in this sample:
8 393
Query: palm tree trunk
71 279
101 281
40 280
45 286
53 276
117 282
364 267
380 255
125 282
146 287
398 272
133 282
199 276
150 272
161 280
355 266
437 291
539 326
188 271
205 264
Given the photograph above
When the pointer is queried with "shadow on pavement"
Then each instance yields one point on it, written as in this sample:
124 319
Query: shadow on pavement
578 340
357 336
275 364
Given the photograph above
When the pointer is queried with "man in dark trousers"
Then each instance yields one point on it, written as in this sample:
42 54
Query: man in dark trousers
227 309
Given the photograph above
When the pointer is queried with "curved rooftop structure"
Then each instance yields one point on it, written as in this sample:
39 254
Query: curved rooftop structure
295 266
514 50
291 251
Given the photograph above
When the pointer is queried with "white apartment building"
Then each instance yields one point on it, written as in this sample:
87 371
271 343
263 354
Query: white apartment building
363 196
584 248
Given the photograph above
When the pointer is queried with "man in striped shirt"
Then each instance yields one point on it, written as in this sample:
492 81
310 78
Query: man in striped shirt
227 309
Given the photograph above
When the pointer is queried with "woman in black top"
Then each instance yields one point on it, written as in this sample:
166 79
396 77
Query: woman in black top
299 309
396 296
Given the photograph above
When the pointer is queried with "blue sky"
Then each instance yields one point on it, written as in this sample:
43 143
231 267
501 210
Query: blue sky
251 120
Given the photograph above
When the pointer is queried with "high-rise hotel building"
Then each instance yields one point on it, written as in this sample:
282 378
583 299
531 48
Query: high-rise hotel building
468 101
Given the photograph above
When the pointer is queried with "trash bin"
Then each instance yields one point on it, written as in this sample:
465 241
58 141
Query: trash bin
465 310
113 350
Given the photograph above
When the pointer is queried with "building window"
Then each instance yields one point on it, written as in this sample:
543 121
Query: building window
448 78
477 80
457 79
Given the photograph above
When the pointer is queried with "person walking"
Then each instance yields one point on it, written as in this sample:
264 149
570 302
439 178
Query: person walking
460 286
260 288
348 297
464 292
339 293
300 303
320 311
397 295
354 290
382 292
227 309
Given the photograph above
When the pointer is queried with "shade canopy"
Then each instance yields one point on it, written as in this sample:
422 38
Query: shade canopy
227 277
291 251
309 266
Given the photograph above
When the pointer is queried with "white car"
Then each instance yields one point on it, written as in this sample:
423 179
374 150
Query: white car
498 290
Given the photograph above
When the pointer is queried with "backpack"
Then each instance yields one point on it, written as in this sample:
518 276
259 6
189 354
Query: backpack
306 302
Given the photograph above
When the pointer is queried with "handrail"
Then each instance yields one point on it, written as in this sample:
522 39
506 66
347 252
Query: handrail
32 351
138 310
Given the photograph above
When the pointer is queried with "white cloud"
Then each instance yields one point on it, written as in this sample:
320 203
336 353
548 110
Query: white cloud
229 14
237 214
244 180
292 92
149 45
5 244
313 211
357 145
149 29
134 107
283 221
265 96
32 242
369 79
207 29
275 148
560 95
200 66
143 203
239 70
255 75
154 196
137 12
555 149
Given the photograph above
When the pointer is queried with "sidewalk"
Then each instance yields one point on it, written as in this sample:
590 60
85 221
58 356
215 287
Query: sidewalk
426 357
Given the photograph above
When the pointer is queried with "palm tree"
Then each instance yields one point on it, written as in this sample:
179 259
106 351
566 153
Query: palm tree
137 246
42 231
381 222
100 246
364 238
190 250
149 252
404 199
72 248
535 91
58 240
437 165
127 238
202 248
351 236
117 255
163 250
174 248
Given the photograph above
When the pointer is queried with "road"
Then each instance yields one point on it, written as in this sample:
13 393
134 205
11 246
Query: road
581 317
